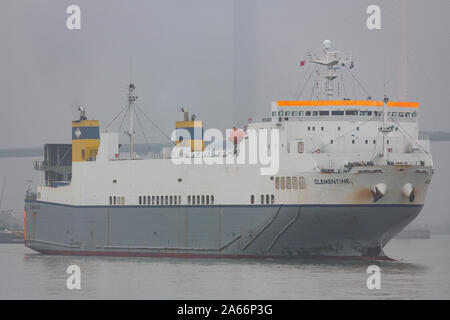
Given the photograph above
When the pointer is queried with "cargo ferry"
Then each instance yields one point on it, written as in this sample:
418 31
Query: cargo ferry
351 175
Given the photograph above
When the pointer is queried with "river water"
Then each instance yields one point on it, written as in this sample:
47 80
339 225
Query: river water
420 272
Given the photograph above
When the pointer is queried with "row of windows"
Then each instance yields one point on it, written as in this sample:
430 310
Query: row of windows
157 200
201 199
342 113
117 200
290 183
267 199
365 141
175 200
313 128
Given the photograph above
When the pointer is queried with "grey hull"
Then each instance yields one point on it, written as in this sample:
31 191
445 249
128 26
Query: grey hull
355 231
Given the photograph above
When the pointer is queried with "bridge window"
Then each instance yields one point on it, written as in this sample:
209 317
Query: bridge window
315 113
287 113
274 113
277 183
351 112
407 114
301 113
280 113
365 113
401 114
283 183
324 112
394 114
337 113
295 113
308 113
288 183
414 114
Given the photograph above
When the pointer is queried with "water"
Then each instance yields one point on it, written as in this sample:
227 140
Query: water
422 272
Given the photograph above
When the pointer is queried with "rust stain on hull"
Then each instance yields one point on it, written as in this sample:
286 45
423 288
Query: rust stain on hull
361 196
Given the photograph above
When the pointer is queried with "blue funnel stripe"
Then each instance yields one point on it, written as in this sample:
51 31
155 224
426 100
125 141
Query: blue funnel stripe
80 133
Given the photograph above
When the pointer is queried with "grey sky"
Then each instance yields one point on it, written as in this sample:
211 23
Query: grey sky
185 53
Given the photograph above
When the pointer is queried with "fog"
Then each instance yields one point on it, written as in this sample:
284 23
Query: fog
224 60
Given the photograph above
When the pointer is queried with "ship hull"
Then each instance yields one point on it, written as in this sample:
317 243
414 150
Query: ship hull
356 231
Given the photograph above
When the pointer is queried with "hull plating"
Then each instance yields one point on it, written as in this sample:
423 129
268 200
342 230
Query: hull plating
235 231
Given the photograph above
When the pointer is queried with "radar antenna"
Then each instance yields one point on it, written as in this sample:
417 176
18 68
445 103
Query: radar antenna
333 62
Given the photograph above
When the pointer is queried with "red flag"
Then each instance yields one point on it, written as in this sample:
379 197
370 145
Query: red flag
302 63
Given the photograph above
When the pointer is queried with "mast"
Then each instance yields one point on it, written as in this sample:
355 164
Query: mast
332 61
131 99
385 130
3 189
